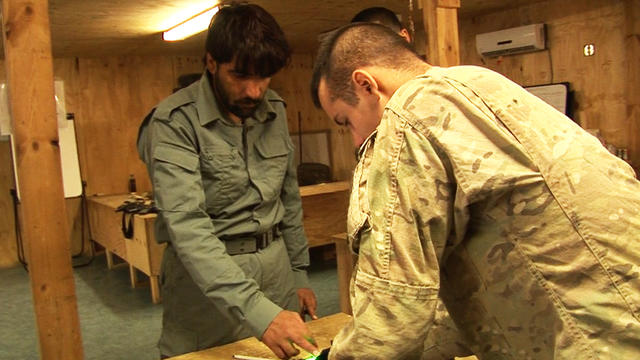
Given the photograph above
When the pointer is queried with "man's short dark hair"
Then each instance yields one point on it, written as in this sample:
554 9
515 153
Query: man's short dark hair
354 46
251 36
379 15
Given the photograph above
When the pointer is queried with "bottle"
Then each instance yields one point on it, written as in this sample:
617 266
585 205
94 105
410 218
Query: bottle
132 184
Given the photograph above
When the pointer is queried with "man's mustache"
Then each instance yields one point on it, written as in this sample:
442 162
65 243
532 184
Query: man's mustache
247 101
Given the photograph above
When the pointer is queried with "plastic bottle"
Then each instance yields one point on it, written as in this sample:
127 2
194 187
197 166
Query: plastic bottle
132 184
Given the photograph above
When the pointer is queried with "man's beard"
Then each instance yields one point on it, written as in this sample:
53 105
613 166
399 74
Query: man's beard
242 108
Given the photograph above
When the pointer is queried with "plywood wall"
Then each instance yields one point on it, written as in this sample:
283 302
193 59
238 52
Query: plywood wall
293 86
109 98
7 234
600 82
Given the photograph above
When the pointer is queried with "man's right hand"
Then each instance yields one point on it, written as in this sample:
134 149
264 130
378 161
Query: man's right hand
286 329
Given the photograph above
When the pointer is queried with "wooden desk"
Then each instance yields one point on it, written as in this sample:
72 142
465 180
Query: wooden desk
345 262
325 213
324 208
141 252
323 330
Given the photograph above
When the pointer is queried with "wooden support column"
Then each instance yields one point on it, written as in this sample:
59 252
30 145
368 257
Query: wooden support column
632 46
441 26
29 67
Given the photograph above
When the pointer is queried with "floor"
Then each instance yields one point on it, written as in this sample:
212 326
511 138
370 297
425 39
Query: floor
117 322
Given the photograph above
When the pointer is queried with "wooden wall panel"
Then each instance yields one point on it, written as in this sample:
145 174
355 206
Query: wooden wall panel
114 96
109 97
292 84
8 252
632 45
599 82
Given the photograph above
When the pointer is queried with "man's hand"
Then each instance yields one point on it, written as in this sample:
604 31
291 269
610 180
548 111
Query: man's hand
286 329
308 303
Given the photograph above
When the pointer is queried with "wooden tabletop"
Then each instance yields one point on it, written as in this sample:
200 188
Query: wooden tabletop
324 188
323 330
111 200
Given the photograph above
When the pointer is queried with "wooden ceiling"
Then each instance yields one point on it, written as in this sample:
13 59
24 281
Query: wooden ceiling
95 28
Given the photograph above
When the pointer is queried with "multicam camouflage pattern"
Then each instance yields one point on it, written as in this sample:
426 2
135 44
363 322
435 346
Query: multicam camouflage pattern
475 191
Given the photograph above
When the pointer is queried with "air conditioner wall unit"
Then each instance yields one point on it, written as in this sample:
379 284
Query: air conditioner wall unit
511 41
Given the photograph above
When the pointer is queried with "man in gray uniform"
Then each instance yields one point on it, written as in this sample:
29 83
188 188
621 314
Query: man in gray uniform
220 159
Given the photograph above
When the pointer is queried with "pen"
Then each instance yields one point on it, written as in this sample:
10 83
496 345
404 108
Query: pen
245 357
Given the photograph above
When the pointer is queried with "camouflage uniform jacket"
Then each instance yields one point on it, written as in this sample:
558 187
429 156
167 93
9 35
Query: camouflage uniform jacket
523 223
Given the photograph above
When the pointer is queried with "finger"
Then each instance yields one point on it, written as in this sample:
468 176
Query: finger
289 349
310 307
277 350
308 345
312 312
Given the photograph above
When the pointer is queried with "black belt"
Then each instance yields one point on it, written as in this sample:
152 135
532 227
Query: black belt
249 243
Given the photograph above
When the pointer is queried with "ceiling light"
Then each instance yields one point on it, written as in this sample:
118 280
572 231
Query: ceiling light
191 26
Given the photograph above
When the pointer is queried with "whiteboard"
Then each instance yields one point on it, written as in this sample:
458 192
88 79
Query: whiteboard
553 94
72 181
315 147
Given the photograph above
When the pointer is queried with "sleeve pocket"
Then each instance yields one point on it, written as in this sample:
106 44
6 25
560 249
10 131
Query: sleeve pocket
176 156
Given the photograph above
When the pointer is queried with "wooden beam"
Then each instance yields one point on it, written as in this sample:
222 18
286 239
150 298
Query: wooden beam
441 26
29 67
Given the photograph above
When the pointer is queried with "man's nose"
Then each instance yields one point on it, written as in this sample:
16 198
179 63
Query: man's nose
253 89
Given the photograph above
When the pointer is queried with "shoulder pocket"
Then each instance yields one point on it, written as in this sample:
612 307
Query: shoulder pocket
176 156
272 147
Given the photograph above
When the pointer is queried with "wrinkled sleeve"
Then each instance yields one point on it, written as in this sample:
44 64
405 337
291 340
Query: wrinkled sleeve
291 225
394 293
174 167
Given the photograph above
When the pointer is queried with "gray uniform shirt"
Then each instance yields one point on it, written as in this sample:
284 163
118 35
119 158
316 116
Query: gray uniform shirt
213 178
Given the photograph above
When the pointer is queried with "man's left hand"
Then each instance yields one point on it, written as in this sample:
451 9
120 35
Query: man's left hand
308 303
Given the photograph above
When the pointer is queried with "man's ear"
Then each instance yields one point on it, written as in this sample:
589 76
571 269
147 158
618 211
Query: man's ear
365 83
211 64
405 34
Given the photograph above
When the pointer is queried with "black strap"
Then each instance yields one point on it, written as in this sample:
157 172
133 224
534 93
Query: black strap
127 229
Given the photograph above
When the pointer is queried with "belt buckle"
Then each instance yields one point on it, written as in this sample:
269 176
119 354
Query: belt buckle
263 240
240 246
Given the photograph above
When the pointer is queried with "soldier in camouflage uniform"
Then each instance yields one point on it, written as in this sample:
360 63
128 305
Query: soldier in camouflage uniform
442 339
471 189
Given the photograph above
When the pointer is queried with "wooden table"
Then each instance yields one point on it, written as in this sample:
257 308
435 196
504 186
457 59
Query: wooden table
142 252
324 209
345 260
323 330
325 213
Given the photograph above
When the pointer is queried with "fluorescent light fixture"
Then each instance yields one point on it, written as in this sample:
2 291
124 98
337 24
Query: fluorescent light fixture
191 26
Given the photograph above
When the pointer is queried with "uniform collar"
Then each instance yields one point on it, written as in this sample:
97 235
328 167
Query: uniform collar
208 113
368 142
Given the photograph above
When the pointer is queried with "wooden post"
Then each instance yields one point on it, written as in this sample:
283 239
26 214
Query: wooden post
29 67
632 46
441 26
